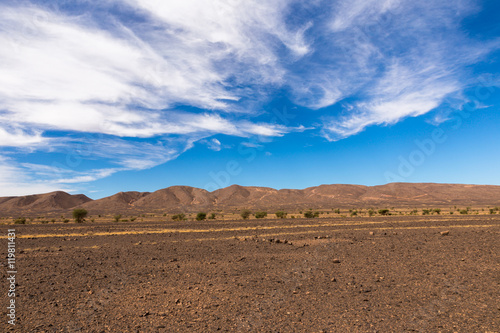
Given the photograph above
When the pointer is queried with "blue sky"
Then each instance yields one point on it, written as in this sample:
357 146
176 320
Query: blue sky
119 95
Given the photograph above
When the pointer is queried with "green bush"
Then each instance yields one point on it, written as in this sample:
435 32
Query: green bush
201 216
118 217
464 212
371 212
245 214
354 213
437 211
179 217
492 211
426 211
20 220
65 220
280 214
310 214
79 215
260 215
384 212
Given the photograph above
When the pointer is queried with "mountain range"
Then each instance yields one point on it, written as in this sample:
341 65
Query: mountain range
190 199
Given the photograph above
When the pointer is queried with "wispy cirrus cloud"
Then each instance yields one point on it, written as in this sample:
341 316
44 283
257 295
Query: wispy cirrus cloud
154 77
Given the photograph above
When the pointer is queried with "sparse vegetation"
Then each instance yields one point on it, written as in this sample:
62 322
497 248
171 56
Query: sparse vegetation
260 215
118 217
354 213
179 217
384 212
79 215
437 211
426 211
201 216
371 212
280 214
212 216
245 214
464 211
20 220
310 214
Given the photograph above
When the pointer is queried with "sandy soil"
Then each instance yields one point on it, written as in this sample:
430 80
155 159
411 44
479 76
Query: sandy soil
381 274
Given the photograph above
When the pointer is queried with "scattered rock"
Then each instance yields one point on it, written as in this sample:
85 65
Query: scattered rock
336 261
445 233
371 233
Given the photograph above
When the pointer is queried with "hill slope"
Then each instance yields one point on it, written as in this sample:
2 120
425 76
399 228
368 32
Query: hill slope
191 199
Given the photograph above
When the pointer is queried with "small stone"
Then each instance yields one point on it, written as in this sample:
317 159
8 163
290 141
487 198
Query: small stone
445 233
371 233
336 261
334 280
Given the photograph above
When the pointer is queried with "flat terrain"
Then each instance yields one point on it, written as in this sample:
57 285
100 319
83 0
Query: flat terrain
362 274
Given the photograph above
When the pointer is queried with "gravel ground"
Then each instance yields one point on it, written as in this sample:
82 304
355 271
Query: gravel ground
381 274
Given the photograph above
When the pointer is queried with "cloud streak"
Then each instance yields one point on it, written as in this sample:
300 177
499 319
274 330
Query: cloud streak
155 76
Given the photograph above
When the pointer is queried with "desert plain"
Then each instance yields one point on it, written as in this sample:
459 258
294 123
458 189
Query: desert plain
397 273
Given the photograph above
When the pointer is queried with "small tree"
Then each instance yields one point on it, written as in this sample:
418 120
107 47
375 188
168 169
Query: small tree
384 212
280 214
118 217
179 217
245 214
20 220
260 215
309 214
79 215
201 216
371 212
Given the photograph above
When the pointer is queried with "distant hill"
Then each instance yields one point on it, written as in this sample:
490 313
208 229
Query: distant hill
235 197
40 203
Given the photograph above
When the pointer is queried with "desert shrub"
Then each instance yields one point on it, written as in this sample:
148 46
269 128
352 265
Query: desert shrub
118 217
179 217
66 220
201 216
133 219
260 215
464 212
20 220
384 212
212 216
79 215
53 220
354 213
451 213
245 214
309 214
280 214
492 211
124 220
426 211
337 211
437 211
371 212
293 216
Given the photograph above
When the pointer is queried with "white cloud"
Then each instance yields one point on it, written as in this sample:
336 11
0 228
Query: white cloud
404 67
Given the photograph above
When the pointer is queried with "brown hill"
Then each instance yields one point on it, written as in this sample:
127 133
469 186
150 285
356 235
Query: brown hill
40 203
115 203
235 197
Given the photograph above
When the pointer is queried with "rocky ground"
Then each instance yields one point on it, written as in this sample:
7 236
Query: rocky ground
379 274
